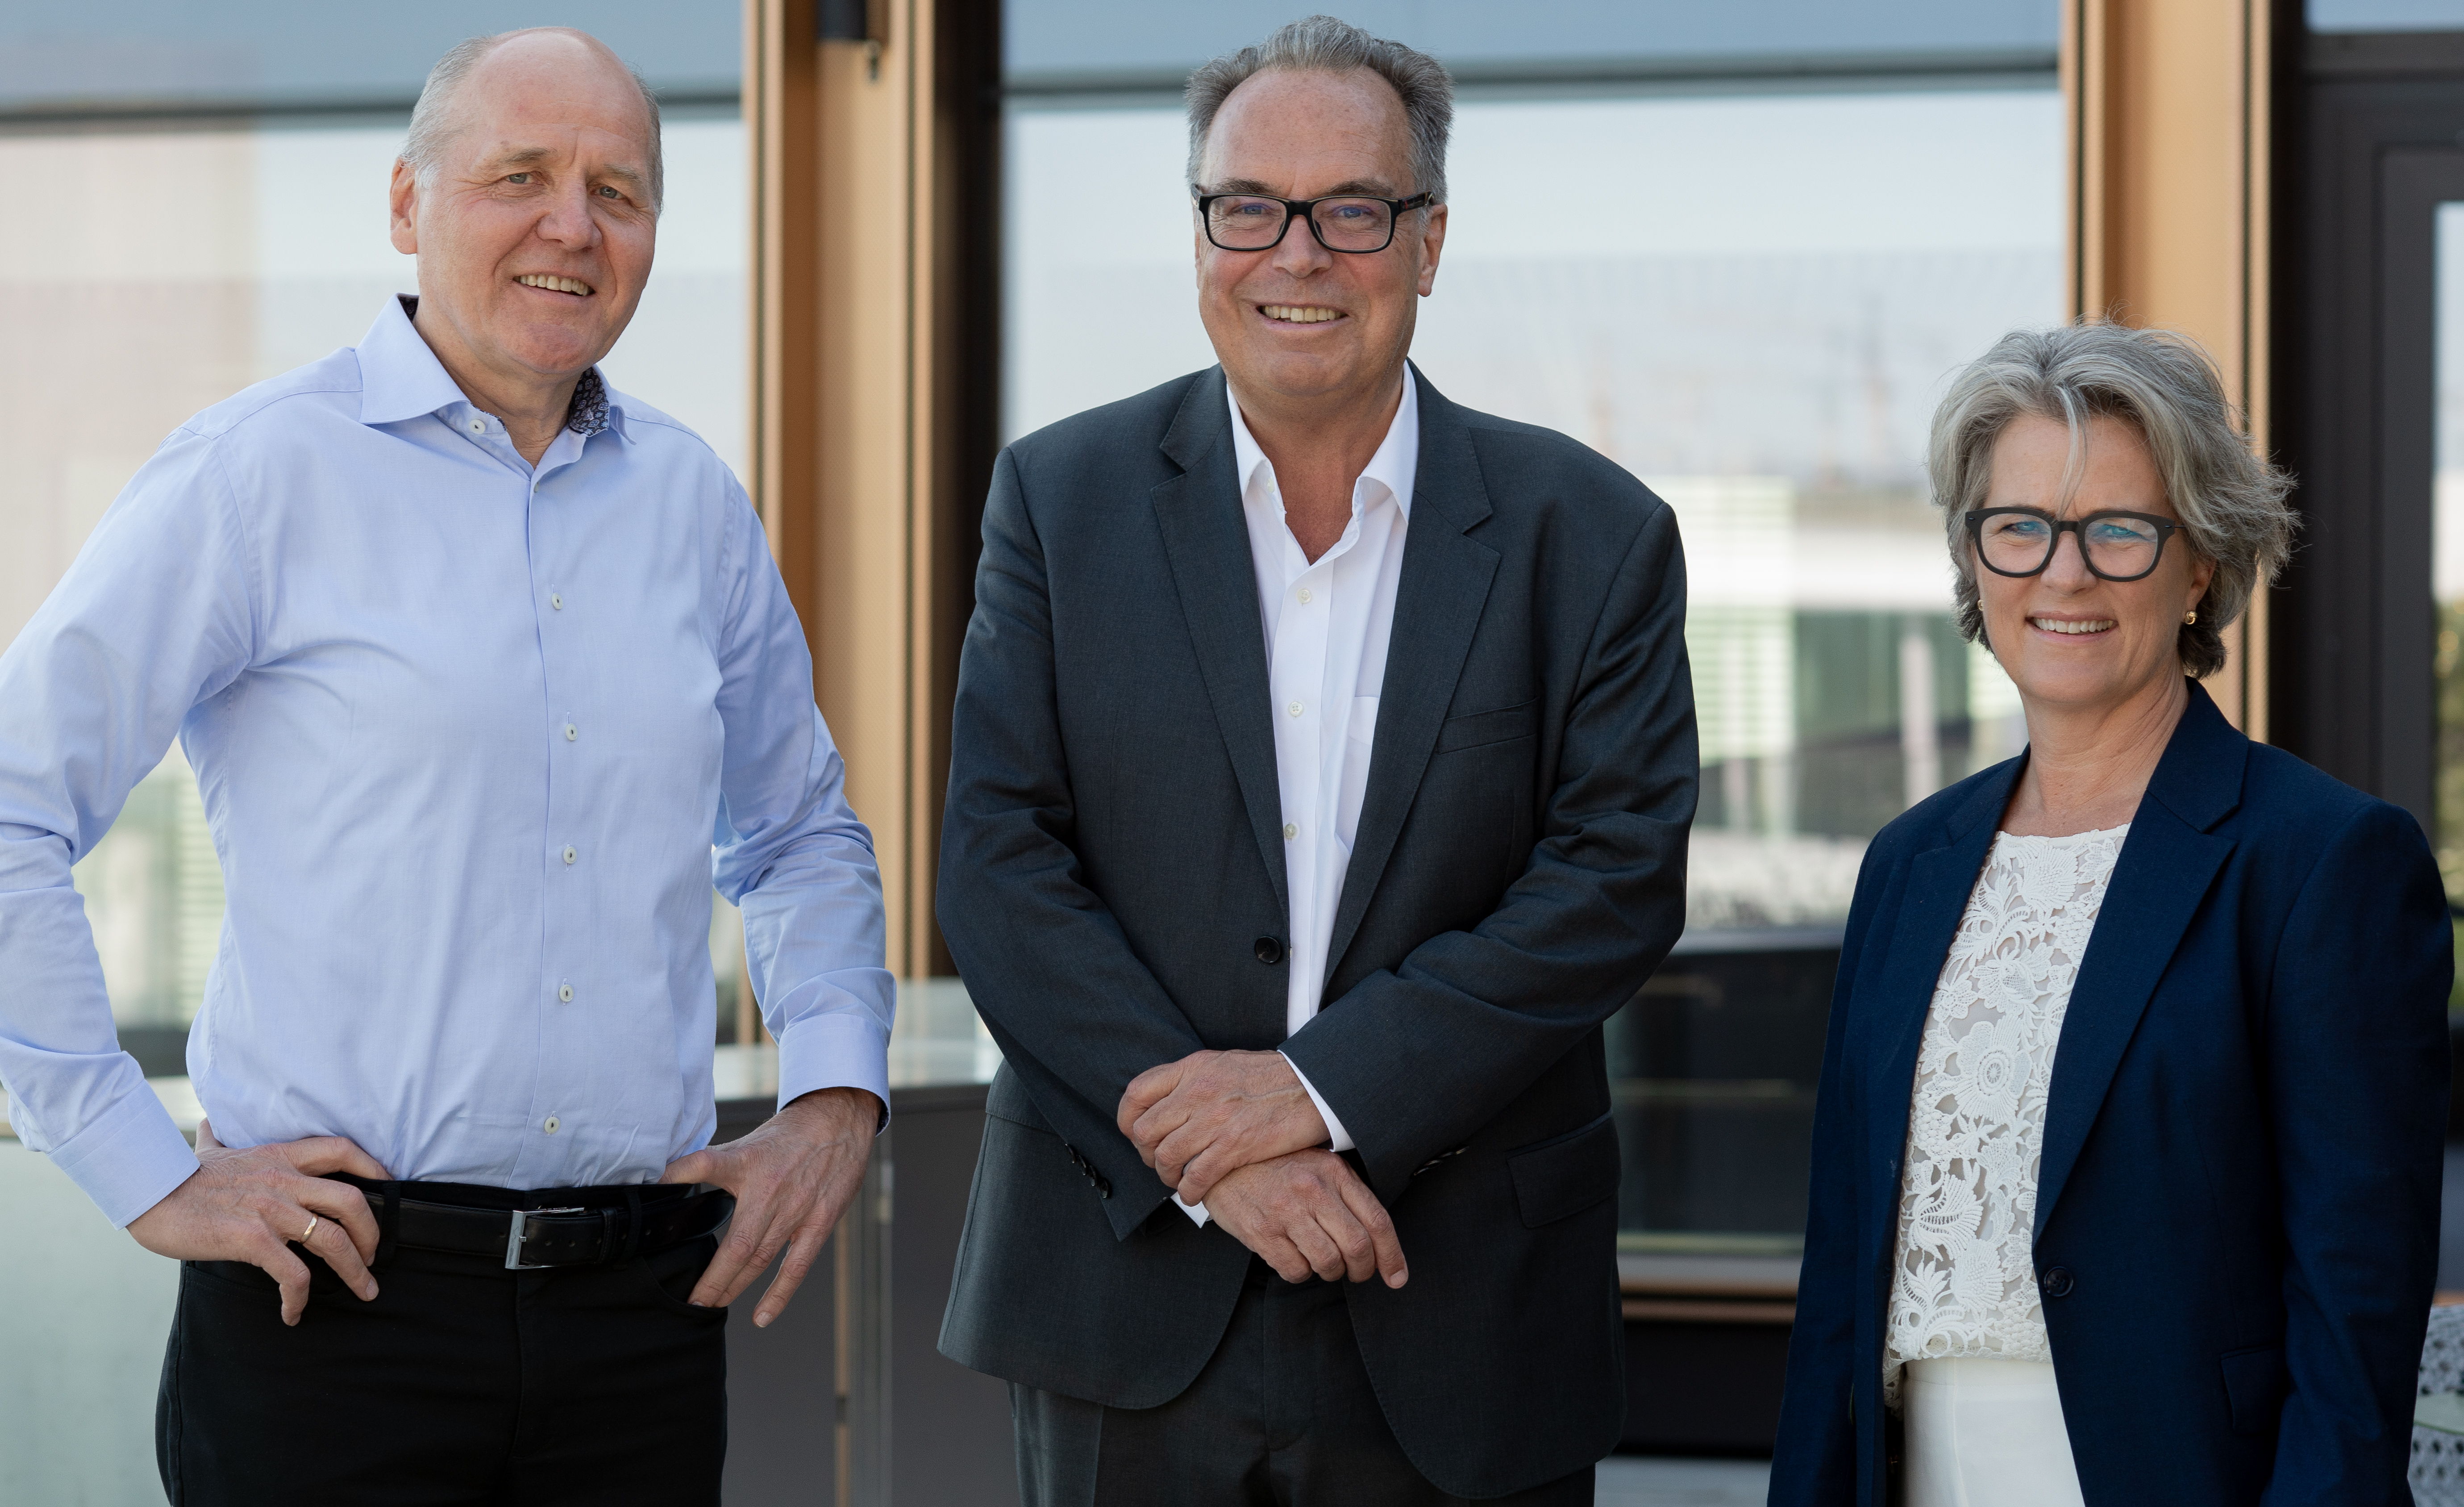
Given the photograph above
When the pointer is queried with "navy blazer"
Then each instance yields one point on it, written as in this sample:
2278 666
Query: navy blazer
2236 1226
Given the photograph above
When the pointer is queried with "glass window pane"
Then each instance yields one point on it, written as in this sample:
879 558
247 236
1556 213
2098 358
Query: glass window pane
1078 44
2447 559
2385 16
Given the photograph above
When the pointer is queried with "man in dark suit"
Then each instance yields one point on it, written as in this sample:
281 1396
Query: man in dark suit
1322 764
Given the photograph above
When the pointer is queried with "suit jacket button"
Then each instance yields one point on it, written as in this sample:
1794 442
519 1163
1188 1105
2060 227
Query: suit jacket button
2057 1282
1269 950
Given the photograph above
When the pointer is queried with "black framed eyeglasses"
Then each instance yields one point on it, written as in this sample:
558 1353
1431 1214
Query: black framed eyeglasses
1352 223
2117 546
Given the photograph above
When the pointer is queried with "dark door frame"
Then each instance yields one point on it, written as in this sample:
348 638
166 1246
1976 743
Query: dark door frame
2374 141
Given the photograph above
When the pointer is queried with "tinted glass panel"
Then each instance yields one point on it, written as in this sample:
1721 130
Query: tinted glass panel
2446 570
1058 42
2385 16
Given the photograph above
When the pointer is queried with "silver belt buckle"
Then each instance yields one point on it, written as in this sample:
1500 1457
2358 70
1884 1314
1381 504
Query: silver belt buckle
514 1261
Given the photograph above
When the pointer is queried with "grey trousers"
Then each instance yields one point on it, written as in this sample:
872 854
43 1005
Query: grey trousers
1281 1416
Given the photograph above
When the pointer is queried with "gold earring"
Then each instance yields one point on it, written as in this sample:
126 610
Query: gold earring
2190 617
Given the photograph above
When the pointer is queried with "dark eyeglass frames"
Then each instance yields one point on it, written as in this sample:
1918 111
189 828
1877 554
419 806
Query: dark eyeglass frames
2117 546
1353 224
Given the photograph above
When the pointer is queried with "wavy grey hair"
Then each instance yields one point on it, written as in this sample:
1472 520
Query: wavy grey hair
2231 501
434 122
1323 44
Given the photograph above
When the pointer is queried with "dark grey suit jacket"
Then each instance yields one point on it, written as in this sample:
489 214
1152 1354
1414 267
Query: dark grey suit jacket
1113 887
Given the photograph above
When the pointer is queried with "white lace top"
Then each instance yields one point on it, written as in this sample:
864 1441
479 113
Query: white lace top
1964 1283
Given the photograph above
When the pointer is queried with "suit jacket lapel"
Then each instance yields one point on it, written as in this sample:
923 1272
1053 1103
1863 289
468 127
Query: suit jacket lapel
1934 898
1438 604
1207 540
2161 876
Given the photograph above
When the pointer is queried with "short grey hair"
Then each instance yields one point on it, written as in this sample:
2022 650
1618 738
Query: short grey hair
434 122
1323 44
2230 500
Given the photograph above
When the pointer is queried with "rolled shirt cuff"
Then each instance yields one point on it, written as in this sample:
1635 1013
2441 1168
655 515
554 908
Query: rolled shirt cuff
1341 1138
129 1158
834 1051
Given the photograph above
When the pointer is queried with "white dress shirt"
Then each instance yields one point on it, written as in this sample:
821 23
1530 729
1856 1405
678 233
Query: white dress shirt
475 739
1327 623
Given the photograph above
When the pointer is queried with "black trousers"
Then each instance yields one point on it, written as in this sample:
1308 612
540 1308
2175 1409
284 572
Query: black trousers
462 1382
1283 1416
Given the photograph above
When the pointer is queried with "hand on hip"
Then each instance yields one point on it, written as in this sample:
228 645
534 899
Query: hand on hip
792 1178
253 1205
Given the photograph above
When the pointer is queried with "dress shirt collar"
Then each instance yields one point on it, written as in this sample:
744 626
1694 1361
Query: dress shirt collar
400 377
1393 467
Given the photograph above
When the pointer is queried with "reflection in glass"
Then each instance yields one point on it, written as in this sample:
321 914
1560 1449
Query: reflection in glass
2447 557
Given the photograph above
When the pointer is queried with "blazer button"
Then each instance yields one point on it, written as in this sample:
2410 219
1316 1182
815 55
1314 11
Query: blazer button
1269 950
2057 1282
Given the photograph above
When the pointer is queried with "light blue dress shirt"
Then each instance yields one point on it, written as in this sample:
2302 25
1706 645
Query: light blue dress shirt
475 739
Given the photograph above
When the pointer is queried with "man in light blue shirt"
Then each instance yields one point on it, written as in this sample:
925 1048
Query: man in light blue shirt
478 663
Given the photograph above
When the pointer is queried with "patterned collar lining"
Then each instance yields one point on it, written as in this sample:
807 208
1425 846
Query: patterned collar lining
588 414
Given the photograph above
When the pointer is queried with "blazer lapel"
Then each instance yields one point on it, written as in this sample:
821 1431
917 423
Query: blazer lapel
2159 882
1939 883
1438 604
1207 540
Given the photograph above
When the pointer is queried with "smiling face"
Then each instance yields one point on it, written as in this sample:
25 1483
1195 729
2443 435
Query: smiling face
1298 322
2068 637
534 234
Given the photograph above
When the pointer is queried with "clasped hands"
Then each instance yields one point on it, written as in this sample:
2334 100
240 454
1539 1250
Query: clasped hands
1237 1132
792 1178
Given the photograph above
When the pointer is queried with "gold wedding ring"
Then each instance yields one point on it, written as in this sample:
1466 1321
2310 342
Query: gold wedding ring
312 1222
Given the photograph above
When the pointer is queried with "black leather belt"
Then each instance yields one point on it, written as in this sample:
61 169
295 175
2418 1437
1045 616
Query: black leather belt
535 1239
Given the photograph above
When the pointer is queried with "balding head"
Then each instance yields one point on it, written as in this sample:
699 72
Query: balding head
442 112
529 192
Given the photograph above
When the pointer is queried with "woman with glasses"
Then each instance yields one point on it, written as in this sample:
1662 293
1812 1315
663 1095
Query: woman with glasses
2128 1153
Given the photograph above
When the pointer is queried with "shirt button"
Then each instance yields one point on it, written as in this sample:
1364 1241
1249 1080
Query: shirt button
1291 830
478 426
1294 709
1305 596
566 993
570 855
556 599
571 732
550 1124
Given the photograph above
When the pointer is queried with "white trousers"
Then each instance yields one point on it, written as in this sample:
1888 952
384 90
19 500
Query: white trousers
1986 1434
